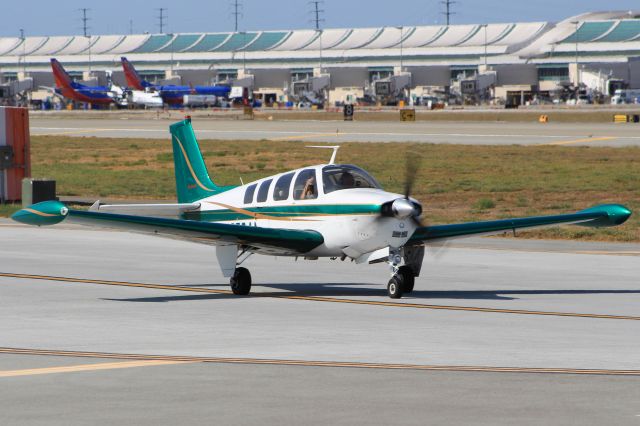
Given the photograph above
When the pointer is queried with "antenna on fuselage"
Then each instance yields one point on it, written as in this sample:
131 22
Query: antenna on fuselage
333 147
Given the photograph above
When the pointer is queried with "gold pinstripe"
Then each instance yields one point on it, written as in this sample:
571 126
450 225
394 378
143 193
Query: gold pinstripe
193 174
39 213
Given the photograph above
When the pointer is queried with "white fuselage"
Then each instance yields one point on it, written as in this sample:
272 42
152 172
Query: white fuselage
348 219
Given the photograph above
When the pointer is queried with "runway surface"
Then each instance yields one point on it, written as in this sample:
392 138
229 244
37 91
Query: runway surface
498 331
482 133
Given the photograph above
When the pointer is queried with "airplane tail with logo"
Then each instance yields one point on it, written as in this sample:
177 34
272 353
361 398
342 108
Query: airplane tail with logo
62 78
192 178
134 81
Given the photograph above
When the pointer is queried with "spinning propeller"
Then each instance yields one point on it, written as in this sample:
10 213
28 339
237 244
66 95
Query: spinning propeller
403 208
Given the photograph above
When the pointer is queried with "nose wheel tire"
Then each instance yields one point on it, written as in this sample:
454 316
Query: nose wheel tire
241 282
394 288
408 278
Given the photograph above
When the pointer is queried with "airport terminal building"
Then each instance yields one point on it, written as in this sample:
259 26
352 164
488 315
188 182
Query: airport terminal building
511 62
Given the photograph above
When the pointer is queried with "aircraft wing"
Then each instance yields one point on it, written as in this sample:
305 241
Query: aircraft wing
599 216
264 240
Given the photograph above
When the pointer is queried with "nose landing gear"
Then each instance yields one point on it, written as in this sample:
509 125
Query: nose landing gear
401 282
402 277
394 287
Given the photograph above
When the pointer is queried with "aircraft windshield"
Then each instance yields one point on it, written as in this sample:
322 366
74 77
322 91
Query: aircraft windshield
337 177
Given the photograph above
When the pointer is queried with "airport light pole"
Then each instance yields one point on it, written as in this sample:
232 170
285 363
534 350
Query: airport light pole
320 39
401 28
89 40
244 51
576 23
485 46
171 64
24 50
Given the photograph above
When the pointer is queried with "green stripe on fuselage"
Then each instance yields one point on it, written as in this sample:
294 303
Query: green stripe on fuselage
278 212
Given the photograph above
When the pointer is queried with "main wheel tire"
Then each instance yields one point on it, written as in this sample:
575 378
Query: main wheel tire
395 287
408 278
241 282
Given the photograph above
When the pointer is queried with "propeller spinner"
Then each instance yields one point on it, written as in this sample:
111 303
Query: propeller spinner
403 208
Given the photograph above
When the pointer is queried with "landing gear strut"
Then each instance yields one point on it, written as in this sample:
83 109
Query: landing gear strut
241 282
402 277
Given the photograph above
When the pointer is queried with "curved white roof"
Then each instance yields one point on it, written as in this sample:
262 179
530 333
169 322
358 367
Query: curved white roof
523 32
390 36
327 39
298 40
359 38
7 44
75 45
52 45
605 33
130 43
32 44
423 36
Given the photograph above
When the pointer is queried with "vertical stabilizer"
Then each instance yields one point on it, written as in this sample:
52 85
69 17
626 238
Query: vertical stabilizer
62 78
192 178
134 80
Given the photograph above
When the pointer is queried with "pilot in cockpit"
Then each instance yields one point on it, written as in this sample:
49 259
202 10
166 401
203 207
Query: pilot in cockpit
347 180
309 190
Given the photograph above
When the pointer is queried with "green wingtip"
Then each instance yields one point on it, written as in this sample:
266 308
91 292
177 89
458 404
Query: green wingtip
44 213
613 215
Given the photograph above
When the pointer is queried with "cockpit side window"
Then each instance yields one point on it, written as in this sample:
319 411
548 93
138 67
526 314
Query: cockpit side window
337 177
283 184
248 195
264 190
306 185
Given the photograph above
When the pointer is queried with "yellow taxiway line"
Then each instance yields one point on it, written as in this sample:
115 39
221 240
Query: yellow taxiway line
325 298
583 140
89 367
307 363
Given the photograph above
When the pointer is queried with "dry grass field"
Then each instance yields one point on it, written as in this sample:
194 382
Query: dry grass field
456 183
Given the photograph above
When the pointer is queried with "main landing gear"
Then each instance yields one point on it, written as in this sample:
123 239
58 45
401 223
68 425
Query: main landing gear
230 257
241 282
401 282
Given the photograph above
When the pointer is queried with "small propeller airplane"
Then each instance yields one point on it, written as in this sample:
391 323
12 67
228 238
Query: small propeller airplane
329 210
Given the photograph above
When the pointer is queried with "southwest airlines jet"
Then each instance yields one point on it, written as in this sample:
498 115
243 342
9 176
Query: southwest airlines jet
65 86
171 94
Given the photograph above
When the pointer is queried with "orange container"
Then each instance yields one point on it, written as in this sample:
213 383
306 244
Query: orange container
14 132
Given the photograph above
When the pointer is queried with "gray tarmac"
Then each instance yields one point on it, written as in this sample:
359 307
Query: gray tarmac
483 304
480 133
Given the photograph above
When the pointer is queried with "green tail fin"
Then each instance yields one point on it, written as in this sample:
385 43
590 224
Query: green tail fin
192 179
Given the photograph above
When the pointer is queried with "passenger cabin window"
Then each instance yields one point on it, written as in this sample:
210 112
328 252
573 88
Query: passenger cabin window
306 186
337 177
264 190
283 184
248 195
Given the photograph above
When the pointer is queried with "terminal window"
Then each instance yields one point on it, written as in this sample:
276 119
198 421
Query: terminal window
379 75
154 77
223 76
301 75
462 73
553 74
